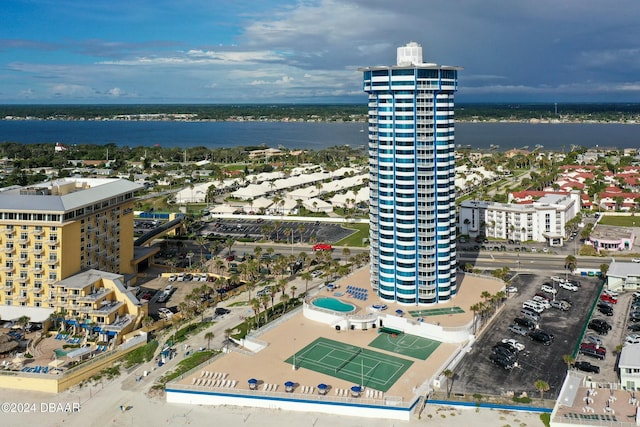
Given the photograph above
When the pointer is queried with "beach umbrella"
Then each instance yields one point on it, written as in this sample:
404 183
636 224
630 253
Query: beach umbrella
356 389
322 386
253 381
398 311
289 384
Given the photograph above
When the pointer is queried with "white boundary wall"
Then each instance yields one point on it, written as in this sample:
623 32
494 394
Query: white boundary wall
324 404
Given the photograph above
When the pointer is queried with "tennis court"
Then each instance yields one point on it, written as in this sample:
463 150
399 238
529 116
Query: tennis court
436 311
357 365
406 345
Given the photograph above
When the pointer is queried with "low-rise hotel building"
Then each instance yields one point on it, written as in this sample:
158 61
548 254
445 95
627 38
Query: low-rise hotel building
543 220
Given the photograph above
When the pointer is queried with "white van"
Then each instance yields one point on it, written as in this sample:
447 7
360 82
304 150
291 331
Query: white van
533 305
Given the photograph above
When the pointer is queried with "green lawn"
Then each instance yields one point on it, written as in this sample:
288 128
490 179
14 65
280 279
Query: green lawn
361 231
620 221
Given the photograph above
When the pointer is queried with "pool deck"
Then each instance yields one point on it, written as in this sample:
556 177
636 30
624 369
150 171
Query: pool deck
289 336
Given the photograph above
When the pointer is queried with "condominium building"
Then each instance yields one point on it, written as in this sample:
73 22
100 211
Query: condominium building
412 178
53 230
543 220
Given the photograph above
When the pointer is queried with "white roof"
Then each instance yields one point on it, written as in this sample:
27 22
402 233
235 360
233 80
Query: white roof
36 314
623 269
630 356
223 209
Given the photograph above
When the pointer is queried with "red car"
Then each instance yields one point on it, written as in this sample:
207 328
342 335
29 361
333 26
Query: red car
594 347
608 298
322 247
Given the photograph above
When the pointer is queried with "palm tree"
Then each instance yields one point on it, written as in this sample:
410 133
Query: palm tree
23 321
568 359
229 244
255 306
264 300
541 386
209 336
604 269
449 375
570 263
285 300
475 308
293 291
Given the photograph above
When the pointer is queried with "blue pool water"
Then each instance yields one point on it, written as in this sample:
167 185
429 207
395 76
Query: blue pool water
333 304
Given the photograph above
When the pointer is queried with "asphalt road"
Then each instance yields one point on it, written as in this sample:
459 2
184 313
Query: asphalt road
476 373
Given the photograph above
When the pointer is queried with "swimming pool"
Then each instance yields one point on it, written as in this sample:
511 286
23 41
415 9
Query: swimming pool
334 304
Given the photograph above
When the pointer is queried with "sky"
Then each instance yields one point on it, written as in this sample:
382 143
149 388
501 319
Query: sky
309 51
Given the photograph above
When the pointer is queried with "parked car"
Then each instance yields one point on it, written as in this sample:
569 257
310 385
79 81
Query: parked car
568 286
612 294
501 361
543 301
530 314
527 323
533 305
632 339
220 311
165 313
635 259
505 351
606 310
548 289
591 352
594 339
599 326
586 367
172 278
264 291
598 348
520 330
561 305
543 296
541 336
608 298
512 290
513 343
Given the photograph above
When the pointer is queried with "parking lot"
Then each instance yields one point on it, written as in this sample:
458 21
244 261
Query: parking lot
477 374
303 232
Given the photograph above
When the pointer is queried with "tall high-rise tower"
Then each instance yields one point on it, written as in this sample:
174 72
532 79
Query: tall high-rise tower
412 178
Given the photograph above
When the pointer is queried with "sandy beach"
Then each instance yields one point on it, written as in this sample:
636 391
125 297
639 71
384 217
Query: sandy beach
103 409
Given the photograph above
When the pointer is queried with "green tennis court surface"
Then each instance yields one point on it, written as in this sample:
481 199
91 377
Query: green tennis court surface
357 365
405 344
436 311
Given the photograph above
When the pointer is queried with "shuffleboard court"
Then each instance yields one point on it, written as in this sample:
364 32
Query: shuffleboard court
435 311
357 365
406 345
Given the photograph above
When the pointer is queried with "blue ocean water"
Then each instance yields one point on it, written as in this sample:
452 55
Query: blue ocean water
305 135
